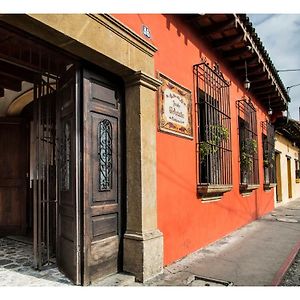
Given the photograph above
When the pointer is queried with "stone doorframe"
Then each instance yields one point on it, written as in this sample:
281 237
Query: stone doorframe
104 41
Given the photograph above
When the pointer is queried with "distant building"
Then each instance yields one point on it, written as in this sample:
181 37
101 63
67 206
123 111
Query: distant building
287 160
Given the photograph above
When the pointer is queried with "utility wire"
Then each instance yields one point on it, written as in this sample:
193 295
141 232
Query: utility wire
288 70
291 86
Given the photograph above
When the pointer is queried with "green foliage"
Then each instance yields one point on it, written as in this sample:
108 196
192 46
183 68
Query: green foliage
219 133
248 149
268 162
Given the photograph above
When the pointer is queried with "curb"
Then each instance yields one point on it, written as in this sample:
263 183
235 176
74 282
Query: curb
285 266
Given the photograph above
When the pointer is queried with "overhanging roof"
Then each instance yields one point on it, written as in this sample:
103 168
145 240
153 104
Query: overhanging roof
289 128
235 41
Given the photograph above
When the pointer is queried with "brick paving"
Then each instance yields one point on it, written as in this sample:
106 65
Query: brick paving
16 267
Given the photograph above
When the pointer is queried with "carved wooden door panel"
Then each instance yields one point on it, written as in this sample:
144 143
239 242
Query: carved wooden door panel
101 171
13 167
68 162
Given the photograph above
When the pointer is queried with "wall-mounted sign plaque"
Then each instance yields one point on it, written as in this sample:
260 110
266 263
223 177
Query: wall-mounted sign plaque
174 108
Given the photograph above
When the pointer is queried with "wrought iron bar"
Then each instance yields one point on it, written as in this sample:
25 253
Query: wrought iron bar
214 125
247 128
48 110
268 152
39 177
34 181
44 158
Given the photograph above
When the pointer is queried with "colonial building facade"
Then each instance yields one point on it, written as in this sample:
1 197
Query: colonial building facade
287 160
130 141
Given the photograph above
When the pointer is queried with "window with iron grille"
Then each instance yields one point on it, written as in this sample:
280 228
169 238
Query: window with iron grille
214 134
247 127
297 170
268 153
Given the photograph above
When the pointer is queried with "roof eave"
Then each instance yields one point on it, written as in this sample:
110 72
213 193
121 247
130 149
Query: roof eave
234 40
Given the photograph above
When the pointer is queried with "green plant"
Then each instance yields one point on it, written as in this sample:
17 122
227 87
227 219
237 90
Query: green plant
268 161
248 149
219 133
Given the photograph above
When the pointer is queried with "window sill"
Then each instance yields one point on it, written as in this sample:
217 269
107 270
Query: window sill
246 188
268 186
212 192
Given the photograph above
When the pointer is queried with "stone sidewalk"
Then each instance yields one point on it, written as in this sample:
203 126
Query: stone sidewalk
250 256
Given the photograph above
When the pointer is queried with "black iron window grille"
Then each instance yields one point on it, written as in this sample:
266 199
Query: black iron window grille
268 139
297 170
214 129
247 128
105 155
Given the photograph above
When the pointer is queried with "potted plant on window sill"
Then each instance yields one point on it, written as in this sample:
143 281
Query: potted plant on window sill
268 165
209 190
247 152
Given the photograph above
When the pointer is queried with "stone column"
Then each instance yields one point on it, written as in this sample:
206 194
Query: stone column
143 242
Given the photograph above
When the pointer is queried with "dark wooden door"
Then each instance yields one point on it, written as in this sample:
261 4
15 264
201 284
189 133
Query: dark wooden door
13 172
68 222
102 177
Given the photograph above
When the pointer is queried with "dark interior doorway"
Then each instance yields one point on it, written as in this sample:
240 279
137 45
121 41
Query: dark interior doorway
29 73
28 175
61 183
14 177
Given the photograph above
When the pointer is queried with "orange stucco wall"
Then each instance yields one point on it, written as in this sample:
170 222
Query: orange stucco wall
187 223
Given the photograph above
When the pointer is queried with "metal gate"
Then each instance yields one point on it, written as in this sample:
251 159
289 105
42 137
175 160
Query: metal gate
44 171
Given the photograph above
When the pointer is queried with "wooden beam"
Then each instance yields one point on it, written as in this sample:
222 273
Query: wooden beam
264 92
217 27
255 72
266 98
16 72
265 61
251 71
273 100
240 64
258 88
275 103
235 52
10 83
192 18
227 41
261 80
36 64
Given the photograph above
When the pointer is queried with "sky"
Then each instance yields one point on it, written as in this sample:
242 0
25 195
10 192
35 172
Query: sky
280 35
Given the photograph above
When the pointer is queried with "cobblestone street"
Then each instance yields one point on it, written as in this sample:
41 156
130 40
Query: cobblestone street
292 277
16 267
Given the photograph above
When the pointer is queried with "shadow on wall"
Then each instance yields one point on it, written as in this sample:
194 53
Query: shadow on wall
187 35
173 177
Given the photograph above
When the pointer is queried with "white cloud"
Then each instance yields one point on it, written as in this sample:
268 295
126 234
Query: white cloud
280 34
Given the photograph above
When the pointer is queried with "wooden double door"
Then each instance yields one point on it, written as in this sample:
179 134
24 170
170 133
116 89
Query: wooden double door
89 176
